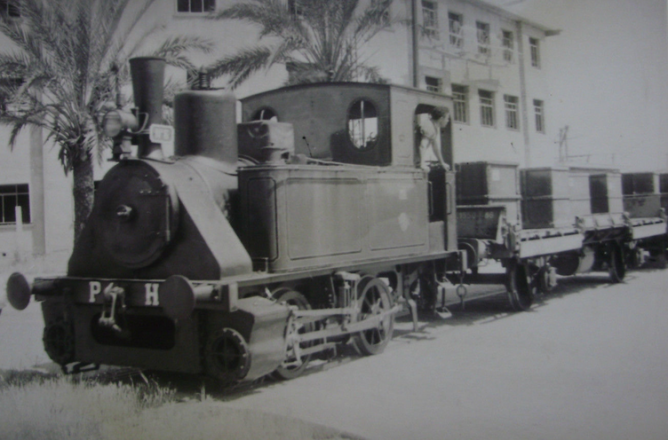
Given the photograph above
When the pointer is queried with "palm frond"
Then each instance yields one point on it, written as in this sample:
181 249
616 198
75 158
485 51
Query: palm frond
15 65
173 49
18 122
241 65
272 16
320 43
371 21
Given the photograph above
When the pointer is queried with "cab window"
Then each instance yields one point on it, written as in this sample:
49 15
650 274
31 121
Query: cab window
363 124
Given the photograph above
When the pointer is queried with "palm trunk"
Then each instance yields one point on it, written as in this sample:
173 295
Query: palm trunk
83 191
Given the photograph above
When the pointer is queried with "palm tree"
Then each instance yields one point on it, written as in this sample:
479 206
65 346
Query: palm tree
71 57
317 40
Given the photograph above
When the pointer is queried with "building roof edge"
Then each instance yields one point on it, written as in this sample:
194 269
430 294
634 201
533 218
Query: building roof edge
549 32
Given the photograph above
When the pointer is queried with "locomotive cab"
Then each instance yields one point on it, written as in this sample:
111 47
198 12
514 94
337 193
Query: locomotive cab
353 123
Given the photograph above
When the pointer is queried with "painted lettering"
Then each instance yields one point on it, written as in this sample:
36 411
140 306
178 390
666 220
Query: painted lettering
94 287
152 294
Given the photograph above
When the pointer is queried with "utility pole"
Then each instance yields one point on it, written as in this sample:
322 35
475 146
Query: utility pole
563 144
519 30
415 62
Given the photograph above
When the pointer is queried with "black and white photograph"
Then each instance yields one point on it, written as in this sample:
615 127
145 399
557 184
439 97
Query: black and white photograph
334 219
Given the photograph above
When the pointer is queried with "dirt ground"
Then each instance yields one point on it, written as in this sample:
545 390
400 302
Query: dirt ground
589 362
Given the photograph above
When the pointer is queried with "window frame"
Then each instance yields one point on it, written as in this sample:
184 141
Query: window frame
508 44
6 85
460 103
17 193
487 116
10 10
534 48
430 26
437 88
511 107
483 35
387 15
295 8
259 114
368 145
190 13
539 115
456 36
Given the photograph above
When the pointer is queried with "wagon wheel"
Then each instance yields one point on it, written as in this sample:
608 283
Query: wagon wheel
658 254
373 299
544 284
520 292
616 265
291 366
226 356
534 278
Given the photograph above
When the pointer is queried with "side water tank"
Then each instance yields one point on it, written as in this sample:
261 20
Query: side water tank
206 125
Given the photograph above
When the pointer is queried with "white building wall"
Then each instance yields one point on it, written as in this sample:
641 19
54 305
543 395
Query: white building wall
465 66
543 148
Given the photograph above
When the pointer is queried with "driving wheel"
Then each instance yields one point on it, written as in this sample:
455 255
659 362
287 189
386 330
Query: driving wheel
293 365
373 298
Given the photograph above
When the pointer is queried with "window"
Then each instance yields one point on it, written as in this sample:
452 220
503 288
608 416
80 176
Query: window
363 124
540 115
295 8
486 108
385 18
7 88
195 6
12 196
508 45
265 114
460 100
9 8
483 37
430 19
433 84
455 25
535 52
512 121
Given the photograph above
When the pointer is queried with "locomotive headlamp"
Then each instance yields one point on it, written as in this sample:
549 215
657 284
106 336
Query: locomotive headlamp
119 126
117 121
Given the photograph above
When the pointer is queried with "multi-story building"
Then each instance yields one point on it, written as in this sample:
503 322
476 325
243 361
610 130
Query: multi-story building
492 62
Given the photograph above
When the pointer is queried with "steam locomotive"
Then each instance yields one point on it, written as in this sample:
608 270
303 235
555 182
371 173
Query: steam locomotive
310 223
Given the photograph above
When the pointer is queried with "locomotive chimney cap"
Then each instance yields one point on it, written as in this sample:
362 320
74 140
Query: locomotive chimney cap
147 58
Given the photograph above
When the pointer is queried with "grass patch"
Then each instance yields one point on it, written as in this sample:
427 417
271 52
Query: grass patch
42 406
36 406
215 420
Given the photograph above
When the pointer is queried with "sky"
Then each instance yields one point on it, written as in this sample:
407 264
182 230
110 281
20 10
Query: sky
608 77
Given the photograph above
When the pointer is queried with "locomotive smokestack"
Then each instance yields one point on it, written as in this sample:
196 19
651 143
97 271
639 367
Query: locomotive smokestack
148 77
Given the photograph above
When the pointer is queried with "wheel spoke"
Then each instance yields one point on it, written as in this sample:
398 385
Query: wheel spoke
292 366
374 300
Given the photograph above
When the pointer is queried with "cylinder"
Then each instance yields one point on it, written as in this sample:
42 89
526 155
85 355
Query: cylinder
206 125
148 77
